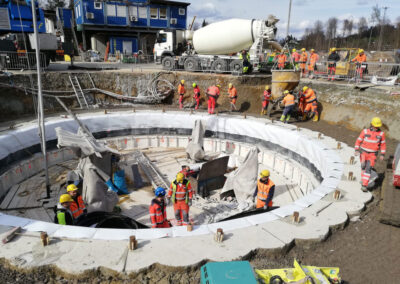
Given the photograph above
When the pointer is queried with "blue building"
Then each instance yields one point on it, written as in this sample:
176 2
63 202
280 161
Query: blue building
129 25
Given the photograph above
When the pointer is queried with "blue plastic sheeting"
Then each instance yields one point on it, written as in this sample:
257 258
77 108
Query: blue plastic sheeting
119 182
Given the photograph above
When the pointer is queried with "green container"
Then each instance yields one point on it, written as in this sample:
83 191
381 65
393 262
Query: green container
230 272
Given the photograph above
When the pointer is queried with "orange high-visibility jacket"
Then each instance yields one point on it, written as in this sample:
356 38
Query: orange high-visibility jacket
303 57
158 213
281 58
180 191
232 93
360 58
313 58
181 89
213 91
310 95
267 95
296 57
288 100
265 193
77 207
196 92
371 141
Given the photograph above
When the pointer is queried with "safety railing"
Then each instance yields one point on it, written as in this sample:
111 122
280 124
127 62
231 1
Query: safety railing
384 72
21 60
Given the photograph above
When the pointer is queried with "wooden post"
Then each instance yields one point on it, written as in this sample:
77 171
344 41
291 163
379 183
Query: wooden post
163 109
336 194
296 217
350 176
11 234
352 160
44 238
105 111
219 236
132 243
339 145
133 110
189 227
319 135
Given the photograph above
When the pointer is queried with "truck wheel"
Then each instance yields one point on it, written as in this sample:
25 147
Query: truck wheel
168 63
236 66
219 66
191 64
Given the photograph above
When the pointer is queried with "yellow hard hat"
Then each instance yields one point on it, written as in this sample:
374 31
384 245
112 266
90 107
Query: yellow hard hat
286 92
305 88
267 87
333 49
264 173
182 81
71 187
376 122
294 50
312 50
303 49
230 85
180 177
360 50
218 85
65 198
194 85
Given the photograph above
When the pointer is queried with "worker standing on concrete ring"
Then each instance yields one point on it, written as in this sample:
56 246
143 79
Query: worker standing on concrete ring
77 206
181 92
303 61
266 98
212 94
264 191
181 194
288 102
196 95
311 104
63 214
158 210
370 141
232 92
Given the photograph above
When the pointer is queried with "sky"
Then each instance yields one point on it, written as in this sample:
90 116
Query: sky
304 12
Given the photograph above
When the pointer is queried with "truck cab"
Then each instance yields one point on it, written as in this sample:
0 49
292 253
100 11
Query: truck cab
168 43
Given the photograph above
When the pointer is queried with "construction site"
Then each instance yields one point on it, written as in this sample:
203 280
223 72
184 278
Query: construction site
227 155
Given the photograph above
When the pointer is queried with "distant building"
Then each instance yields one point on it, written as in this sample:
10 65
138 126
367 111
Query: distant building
128 25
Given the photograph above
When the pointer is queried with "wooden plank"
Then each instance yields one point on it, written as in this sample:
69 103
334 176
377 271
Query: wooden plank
20 198
9 197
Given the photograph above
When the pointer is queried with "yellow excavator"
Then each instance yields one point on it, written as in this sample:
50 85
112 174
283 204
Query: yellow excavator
345 67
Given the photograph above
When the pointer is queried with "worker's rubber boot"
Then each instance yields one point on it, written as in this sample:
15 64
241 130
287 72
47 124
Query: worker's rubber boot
315 119
287 118
304 117
282 118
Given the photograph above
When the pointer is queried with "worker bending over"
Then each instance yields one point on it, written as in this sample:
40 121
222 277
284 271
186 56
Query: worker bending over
281 59
181 194
264 191
332 59
296 58
313 61
266 98
63 214
360 60
158 210
232 92
370 141
212 94
311 104
181 92
303 61
77 206
288 102
196 95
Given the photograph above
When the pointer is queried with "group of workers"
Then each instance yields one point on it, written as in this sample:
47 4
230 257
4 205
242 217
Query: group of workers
71 207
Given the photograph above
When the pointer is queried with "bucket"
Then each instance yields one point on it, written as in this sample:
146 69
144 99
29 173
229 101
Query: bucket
284 80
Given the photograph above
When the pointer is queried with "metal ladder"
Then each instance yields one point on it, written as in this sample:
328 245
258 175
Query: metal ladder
78 92
156 179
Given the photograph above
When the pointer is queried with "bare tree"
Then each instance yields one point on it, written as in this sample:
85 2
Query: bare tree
345 26
331 28
362 26
350 25
376 15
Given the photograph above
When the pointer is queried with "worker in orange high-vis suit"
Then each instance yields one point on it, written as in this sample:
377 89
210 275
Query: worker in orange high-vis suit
360 60
370 141
296 58
288 102
311 103
281 59
158 209
232 92
313 61
77 207
196 95
181 194
212 94
264 191
181 92
266 98
303 61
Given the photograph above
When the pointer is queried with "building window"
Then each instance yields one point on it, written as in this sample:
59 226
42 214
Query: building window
143 12
121 11
98 5
154 13
182 11
133 11
111 10
163 13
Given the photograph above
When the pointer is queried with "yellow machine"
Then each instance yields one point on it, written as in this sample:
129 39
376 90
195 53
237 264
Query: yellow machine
344 67
300 274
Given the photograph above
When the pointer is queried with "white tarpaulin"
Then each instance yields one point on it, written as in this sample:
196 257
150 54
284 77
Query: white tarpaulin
243 181
195 148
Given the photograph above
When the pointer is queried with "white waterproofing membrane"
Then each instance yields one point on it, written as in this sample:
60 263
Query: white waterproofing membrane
324 159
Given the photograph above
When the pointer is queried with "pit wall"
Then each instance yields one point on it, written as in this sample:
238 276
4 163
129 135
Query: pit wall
300 144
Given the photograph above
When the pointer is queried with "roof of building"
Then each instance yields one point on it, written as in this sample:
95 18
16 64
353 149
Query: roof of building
167 2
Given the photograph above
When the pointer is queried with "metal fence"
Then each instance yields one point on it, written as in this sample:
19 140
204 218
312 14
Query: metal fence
352 72
21 60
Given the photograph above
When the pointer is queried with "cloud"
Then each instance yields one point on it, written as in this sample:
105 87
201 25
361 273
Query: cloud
363 2
302 2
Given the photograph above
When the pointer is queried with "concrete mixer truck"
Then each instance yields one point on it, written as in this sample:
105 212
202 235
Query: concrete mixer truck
216 46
